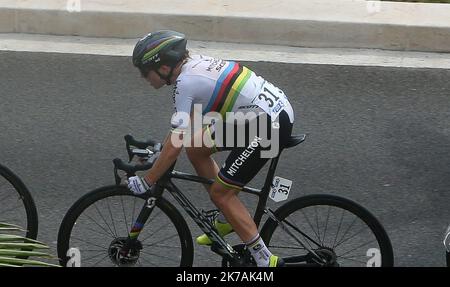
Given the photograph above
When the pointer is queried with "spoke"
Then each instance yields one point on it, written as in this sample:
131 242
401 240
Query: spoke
317 224
166 238
98 231
104 220
153 232
95 264
90 243
364 244
339 228
125 216
160 256
93 256
101 227
93 250
326 224
297 229
148 224
110 214
351 259
359 232
353 256
144 259
346 231
309 223
156 215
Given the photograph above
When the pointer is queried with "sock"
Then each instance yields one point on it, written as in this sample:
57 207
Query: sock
259 251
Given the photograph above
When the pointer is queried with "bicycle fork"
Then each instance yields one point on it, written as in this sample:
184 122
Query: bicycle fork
132 240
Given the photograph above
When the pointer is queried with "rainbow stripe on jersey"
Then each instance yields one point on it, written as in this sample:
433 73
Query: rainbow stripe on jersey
227 89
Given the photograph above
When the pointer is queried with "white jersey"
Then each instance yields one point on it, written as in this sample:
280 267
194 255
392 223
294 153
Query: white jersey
220 86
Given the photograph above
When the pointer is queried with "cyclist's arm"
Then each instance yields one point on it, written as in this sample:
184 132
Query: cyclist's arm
174 141
171 149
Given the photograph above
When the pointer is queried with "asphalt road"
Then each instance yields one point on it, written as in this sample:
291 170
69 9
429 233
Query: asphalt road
380 136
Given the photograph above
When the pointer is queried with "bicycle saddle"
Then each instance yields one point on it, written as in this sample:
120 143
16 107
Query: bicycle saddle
295 140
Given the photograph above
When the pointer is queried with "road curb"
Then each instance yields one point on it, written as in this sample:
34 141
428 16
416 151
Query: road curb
425 28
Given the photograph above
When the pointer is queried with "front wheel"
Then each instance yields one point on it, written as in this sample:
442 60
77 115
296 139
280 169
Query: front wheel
97 226
327 230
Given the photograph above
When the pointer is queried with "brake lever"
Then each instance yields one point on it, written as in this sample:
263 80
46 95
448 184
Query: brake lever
157 147
117 177
154 157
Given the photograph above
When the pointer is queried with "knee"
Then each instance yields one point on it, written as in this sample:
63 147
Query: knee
219 194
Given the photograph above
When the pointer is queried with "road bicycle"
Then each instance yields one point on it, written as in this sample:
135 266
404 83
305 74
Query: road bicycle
17 206
110 226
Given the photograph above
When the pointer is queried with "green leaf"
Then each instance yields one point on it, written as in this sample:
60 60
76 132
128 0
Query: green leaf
13 252
10 260
17 238
14 245
8 265
2 229
14 249
4 224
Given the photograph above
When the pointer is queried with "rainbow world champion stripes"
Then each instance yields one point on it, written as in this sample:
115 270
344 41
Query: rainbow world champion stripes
158 46
227 90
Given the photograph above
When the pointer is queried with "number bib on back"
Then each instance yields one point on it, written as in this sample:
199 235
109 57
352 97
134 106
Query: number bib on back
272 100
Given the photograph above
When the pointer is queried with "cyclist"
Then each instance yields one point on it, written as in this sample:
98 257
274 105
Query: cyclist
203 85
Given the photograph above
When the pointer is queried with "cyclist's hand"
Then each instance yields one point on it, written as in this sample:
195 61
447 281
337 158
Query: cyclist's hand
142 160
138 185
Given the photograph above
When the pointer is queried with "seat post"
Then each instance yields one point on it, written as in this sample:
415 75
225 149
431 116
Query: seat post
266 189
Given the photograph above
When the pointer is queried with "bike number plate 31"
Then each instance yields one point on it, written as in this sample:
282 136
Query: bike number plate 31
280 189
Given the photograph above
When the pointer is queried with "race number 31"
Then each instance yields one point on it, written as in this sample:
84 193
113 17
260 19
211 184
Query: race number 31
280 189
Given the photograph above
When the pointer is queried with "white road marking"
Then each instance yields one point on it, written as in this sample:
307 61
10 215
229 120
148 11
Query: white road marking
239 52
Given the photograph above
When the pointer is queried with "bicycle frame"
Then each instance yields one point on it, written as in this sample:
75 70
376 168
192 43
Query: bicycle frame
219 245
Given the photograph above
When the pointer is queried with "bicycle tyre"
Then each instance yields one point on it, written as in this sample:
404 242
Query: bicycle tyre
270 226
28 202
90 198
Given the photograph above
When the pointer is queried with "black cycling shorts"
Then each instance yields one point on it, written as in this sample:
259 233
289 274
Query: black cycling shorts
249 154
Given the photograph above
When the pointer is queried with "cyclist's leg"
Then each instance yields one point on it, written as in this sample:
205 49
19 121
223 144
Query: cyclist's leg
241 167
206 166
227 200
200 156
242 164
238 216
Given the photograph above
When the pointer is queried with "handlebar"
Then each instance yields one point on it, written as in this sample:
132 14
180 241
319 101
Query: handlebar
146 149
151 145
130 169
130 141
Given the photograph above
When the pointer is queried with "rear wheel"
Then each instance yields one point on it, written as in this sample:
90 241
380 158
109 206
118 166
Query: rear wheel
338 231
98 225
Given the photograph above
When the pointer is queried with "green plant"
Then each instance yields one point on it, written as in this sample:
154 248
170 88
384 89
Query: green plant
15 250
